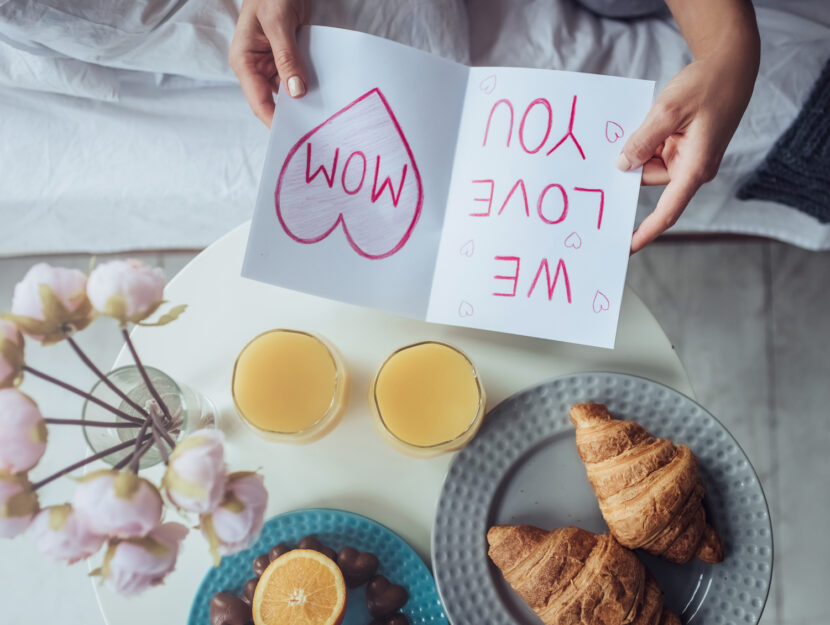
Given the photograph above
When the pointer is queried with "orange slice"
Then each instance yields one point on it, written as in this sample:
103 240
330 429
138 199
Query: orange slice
301 587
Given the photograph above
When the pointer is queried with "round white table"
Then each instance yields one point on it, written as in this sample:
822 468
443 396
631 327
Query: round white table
351 468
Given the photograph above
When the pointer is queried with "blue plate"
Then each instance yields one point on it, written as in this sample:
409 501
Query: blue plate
335 529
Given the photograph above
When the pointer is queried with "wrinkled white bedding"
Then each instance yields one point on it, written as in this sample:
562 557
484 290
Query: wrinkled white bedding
117 143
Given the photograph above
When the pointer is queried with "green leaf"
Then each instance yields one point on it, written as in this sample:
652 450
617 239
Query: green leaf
169 317
116 308
58 515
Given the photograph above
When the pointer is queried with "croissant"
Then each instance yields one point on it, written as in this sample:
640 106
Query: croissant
571 576
649 490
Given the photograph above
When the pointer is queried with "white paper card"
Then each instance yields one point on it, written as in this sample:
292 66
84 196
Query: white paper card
482 197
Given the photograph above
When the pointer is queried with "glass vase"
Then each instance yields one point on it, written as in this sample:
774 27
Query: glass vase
190 411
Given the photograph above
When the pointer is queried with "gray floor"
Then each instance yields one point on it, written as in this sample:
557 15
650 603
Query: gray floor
748 320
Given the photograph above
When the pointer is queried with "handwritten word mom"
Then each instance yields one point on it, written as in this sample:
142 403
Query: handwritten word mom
353 175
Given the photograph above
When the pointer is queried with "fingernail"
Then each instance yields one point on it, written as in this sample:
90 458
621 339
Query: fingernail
296 88
623 164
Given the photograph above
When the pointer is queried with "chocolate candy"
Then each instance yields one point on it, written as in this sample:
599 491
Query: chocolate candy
260 564
395 619
311 542
228 609
358 567
385 598
248 590
277 551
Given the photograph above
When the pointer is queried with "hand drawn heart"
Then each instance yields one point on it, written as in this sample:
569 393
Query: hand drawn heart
311 542
358 567
465 309
385 598
355 170
573 240
613 131
488 84
468 248
601 302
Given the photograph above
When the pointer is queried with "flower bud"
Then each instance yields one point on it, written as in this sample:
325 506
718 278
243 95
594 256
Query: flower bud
134 564
22 432
18 504
238 520
117 503
11 354
48 301
127 290
59 533
196 475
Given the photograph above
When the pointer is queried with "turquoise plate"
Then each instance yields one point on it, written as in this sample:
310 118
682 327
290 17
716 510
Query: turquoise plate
335 529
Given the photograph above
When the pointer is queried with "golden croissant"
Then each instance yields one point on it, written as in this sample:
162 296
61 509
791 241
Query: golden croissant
648 488
570 576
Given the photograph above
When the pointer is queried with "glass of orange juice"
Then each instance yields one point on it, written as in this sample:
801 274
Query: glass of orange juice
427 399
290 386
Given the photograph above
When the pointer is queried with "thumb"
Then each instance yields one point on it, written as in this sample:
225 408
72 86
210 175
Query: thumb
282 36
643 143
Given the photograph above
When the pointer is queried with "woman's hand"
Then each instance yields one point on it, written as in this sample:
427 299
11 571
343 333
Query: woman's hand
264 52
684 136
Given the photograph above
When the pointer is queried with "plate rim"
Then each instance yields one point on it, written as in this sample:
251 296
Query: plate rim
585 373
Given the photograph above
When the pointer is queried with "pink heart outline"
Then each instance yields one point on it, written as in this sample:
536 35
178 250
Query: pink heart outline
468 249
601 302
488 85
573 240
465 309
340 221
613 129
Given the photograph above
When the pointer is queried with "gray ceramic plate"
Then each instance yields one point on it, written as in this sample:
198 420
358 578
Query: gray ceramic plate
523 468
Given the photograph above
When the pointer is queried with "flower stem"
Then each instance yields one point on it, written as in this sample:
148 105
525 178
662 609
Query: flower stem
95 424
103 377
77 391
160 430
146 377
138 442
160 443
134 456
101 454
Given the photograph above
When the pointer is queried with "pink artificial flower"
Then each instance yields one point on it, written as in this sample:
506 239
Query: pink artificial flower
11 354
49 301
117 503
196 474
238 520
60 534
18 504
127 290
134 564
22 432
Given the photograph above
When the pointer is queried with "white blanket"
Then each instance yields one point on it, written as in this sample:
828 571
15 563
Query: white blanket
153 145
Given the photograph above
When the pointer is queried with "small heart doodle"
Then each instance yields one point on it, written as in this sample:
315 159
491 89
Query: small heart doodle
465 309
573 240
488 84
601 302
468 249
613 131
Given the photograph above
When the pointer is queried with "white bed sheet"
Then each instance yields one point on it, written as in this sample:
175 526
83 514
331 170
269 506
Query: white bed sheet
169 162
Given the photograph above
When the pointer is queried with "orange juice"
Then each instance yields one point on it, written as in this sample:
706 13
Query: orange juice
427 399
289 385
